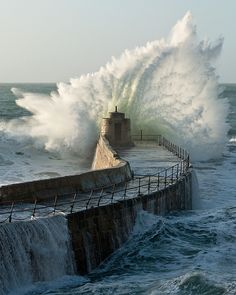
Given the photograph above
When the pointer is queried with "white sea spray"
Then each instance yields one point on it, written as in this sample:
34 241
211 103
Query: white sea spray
168 86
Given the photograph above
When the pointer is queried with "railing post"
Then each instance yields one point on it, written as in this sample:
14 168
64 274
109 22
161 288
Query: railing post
172 174
139 182
10 216
113 192
73 203
125 190
141 134
55 204
177 171
35 203
165 177
158 181
149 183
185 165
90 197
100 197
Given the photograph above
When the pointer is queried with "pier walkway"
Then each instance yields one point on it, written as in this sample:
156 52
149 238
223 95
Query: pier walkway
147 157
155 166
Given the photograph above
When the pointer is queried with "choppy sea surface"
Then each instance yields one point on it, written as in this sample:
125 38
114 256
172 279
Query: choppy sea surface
192 252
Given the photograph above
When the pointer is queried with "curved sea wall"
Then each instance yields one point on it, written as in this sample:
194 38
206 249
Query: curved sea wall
96 233
110 169
98 230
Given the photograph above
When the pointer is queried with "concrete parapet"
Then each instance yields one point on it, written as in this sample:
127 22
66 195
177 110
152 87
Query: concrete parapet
97 232
112 170
105 156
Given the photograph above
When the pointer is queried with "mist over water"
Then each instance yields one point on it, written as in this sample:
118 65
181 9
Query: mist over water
168 86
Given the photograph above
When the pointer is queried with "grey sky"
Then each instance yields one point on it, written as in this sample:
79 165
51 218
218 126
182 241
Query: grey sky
54 40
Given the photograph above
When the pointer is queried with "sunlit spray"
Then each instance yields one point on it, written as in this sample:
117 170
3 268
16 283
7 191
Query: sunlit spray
167 87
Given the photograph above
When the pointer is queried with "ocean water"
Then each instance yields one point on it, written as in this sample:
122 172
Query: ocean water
23 158
170 87
191 252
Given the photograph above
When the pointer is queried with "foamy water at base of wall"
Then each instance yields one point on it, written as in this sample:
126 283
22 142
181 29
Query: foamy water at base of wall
33 251
182 253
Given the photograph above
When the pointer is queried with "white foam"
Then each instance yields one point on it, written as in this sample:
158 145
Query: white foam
232 139
34 251
167 86
196 201
144 222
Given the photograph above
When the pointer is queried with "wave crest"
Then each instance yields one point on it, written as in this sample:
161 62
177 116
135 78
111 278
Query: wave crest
168 86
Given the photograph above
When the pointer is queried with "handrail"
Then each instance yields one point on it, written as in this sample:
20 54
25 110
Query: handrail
77 201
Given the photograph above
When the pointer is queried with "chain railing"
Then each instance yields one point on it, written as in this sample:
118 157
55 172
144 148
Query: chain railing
72 202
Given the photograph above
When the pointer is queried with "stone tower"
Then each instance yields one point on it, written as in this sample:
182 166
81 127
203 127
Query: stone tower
116 129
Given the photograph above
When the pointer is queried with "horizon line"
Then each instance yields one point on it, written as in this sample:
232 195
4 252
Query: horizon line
43 82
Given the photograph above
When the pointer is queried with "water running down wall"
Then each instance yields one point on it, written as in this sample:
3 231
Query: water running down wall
37 250
98 232
95 233
40 250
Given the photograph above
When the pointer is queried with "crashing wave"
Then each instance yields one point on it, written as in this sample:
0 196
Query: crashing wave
168 86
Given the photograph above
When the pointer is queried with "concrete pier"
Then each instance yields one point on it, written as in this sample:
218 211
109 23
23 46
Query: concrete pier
118 172
147 157
101 205
99 231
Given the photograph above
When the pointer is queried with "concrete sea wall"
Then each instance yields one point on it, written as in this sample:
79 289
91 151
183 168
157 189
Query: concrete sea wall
110 169
105 156
98 232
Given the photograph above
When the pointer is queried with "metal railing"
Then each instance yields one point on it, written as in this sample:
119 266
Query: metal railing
77 201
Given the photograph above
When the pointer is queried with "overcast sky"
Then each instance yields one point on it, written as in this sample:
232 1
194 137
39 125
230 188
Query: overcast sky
54 40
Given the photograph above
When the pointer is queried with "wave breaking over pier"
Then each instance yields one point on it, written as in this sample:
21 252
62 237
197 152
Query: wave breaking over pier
168 86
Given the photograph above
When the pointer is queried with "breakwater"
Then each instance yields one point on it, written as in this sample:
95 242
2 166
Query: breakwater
112 199
96 233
